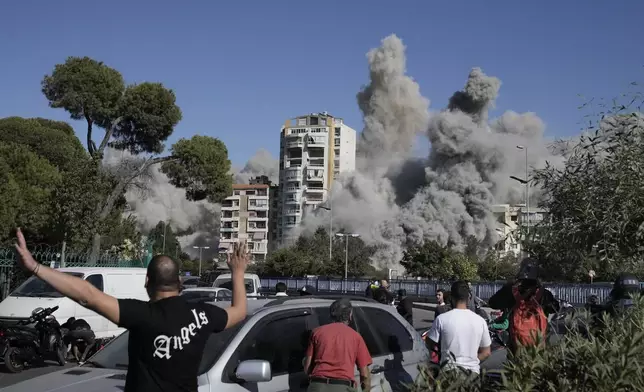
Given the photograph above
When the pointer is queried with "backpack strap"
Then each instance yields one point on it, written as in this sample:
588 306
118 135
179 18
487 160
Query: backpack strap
516 294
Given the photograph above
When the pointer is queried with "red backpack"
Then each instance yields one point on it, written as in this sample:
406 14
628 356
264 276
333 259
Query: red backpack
527 318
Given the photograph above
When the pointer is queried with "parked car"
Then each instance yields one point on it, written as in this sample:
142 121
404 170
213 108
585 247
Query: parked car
257 354
252 282
207 294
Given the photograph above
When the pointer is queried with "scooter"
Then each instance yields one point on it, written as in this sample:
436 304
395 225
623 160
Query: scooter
25 344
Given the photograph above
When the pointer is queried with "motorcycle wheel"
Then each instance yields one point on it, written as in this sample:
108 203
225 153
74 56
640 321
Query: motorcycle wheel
61 353
11 362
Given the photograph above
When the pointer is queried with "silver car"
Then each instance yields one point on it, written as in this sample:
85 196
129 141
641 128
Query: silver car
265 352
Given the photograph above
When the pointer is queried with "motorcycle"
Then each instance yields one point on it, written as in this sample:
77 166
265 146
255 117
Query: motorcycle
24 343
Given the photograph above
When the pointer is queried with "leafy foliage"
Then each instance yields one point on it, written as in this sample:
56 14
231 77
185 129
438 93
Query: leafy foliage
497 267
137 118
595 201
431 260
201 167
310 255
612 362
157 234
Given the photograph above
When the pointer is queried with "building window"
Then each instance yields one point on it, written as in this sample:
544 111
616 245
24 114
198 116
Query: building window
250 192
336 142
323 121
337 131
301 122
314 121
236 193
336 152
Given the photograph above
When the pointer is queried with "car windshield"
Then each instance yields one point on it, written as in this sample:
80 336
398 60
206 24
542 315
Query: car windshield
115 356
228 284
199 295
34 287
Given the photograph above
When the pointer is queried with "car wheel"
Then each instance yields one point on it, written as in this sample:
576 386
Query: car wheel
12 361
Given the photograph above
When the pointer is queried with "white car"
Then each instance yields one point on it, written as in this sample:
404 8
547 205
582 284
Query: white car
264 352
207 294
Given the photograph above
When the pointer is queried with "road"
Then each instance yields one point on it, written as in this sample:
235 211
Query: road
422 320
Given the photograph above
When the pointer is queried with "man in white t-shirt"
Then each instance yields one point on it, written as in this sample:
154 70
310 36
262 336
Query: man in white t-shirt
462 334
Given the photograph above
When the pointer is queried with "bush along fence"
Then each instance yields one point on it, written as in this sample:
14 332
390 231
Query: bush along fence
576 294
12 276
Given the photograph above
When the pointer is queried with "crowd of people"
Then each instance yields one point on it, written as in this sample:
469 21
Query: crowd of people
459 334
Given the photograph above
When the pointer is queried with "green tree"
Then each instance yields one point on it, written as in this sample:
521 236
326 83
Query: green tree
172 246
28 183
595 202
137 118
495 267
434 261
310 255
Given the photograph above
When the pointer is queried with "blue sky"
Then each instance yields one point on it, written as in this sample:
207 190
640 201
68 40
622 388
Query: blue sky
240 68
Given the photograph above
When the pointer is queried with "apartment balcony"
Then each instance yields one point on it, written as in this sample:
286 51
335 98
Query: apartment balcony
225 207
228 229
316 162
319 142
256 207
292 189
292 211
315 175
252 228
293 173
258 218
229 218
294 163
297 143
315 189
295 200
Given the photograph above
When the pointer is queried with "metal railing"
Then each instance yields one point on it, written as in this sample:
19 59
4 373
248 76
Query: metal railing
576 294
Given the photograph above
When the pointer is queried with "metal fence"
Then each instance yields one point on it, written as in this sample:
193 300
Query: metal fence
574 293
12 276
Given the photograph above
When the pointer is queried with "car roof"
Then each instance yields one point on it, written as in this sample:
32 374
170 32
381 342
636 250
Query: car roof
213 289
229 276
266 304
89 270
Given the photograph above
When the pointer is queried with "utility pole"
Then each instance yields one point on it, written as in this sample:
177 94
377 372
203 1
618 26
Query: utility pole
200 249
346 250
527 188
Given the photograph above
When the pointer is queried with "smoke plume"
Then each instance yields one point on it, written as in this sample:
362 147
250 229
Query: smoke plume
396 200
152 198
260 164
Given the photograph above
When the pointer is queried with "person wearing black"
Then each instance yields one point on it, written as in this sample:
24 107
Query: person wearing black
382 293
280 289
405 306
307 290
167 334
528 281
625 287
78 330
445 302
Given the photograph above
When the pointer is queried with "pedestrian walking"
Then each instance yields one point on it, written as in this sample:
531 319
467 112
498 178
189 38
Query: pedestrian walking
333 353
167 334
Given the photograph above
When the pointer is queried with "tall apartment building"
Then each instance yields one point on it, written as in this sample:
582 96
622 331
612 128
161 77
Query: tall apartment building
314 150
245 216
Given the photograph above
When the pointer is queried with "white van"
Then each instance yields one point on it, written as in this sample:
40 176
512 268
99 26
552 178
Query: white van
251 281
34 293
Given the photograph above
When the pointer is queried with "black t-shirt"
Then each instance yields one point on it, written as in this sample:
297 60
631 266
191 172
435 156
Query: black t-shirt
406 309
166 342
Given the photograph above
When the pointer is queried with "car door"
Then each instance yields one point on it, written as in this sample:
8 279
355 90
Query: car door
391 344
281 338
99 324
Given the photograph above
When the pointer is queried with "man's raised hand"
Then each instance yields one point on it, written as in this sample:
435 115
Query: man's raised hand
238 259
26 259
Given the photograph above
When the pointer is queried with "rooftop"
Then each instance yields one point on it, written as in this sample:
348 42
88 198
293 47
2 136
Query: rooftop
250 186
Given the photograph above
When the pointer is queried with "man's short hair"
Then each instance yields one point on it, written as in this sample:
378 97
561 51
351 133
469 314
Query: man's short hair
163 274
440 291
280 287
341 310
460 291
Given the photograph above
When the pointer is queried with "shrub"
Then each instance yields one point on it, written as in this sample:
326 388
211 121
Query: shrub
611 362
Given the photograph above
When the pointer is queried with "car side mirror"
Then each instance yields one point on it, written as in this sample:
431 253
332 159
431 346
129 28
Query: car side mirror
254 370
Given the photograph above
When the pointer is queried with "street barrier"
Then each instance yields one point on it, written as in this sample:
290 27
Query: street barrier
576 294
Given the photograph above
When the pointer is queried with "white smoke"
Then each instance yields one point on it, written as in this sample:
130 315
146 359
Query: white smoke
260 164
152 199
396 200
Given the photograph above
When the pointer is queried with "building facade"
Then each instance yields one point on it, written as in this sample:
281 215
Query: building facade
509 218
314 150
245 216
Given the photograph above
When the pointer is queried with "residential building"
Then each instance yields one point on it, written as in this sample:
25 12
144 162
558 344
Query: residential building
509 218
314 150
245 216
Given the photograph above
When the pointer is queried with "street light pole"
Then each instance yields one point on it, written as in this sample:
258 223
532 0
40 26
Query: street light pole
346 250
200 249
527 188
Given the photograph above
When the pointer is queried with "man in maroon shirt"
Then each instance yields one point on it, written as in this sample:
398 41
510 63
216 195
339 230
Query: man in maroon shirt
334 351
